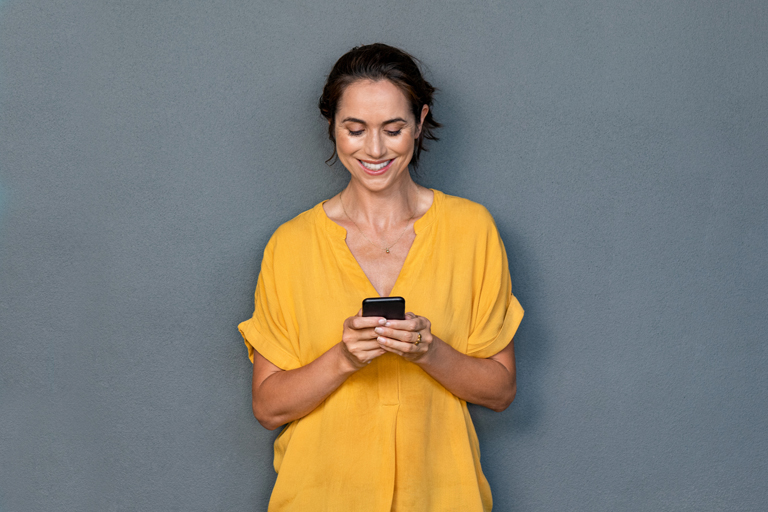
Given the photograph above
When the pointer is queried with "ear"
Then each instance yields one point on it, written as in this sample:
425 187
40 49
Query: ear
424 111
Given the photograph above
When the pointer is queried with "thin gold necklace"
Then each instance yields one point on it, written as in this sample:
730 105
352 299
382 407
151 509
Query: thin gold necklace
386 249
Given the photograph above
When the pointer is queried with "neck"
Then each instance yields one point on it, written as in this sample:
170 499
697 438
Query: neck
382 208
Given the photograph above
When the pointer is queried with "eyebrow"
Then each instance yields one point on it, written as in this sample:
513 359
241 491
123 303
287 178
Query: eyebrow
356 120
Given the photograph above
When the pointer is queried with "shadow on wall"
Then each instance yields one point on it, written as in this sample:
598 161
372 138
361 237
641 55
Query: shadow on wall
530 339
3 198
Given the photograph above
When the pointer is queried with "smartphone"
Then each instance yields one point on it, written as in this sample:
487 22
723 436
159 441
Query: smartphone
391 308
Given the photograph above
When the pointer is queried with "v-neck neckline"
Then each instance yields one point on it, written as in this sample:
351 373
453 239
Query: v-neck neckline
339 235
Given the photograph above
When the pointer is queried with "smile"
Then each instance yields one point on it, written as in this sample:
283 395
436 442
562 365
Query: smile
376 168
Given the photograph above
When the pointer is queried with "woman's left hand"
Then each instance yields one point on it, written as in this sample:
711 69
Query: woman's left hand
410 338
483 381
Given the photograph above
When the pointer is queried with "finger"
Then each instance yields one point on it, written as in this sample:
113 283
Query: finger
366 356
416 323
401 325
400 346
405 331
360 316
397 334
364 322
354 335
376 353
392 350
366 334
364 346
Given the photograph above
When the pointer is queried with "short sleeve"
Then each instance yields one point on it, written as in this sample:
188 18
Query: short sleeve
496 313
267 330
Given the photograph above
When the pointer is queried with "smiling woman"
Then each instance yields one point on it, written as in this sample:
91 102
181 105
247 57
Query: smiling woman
368 139
380 62
376 408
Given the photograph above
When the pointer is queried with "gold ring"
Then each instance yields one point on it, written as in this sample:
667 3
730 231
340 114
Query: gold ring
416 343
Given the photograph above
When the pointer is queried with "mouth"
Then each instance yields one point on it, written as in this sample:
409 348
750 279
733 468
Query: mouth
376 168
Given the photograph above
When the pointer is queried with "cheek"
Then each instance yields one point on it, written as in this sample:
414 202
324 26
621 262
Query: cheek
346 144
404 145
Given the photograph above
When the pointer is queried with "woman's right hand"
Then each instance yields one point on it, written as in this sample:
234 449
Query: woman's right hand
358 340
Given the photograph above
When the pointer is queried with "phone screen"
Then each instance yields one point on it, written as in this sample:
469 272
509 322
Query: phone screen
391 308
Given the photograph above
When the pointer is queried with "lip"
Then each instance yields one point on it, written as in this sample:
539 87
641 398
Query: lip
375 173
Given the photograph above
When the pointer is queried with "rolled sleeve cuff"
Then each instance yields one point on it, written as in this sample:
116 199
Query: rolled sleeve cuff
512 321
266 346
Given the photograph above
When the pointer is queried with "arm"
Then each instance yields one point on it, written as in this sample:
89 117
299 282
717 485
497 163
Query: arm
489 382
281 396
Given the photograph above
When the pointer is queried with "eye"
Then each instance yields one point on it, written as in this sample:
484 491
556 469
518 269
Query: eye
394 133
356 133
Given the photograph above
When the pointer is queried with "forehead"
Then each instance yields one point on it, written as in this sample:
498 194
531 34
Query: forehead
373 100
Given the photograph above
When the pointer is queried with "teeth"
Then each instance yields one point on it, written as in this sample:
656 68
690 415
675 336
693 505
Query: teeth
375 167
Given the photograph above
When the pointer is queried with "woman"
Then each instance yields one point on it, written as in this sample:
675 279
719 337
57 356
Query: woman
376 408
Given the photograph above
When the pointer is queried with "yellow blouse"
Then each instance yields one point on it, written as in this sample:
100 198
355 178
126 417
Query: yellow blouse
391 437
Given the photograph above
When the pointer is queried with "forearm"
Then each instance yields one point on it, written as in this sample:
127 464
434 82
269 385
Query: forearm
485 382
284 396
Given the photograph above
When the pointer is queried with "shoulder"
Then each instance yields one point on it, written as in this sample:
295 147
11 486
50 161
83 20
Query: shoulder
464 214
300 225
468 229
294 232
469 233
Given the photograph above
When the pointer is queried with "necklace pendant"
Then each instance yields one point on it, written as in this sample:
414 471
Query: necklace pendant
387 250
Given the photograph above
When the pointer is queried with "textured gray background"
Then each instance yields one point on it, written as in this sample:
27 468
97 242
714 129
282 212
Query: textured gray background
148 149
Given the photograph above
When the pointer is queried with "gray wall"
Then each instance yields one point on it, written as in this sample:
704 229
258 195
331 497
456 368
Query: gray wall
148 149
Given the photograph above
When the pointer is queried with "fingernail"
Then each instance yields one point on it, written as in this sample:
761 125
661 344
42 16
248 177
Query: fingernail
387 324
382 321
379 330
381 340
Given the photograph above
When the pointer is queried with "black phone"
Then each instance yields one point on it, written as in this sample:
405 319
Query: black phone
391 308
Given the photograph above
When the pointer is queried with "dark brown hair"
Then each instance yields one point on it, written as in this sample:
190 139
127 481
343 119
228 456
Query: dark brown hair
376 62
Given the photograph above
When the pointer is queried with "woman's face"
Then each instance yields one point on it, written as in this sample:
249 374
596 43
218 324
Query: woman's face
376 132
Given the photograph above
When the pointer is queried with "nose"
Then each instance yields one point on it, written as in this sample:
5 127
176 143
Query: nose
374 145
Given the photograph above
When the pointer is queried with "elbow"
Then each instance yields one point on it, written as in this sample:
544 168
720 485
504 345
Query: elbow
268 421
269 425
506 399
